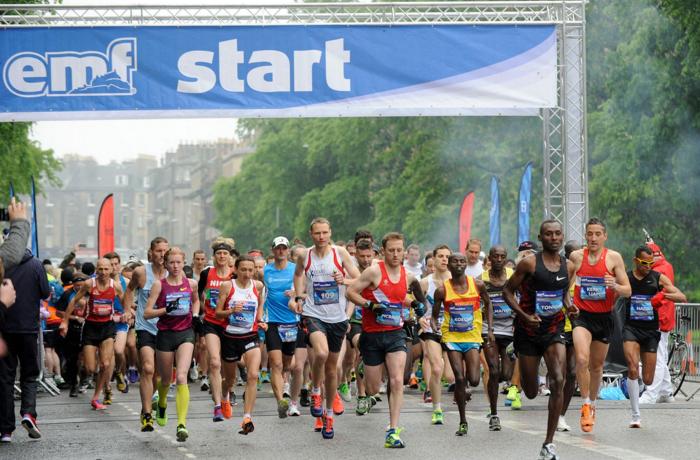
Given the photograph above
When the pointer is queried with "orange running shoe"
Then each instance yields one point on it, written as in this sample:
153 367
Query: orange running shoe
316 405
327 432
318 426
587 418
226 408
413 382
338 407
247 426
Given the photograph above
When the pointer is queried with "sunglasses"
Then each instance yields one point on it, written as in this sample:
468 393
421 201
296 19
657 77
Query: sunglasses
645 263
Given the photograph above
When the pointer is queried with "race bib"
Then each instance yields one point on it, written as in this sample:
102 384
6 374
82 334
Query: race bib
640 308
101 307
461 318
179 302
213 297
288 332
548 303
357 314
592 288
501 310
326 292
393 315
242 322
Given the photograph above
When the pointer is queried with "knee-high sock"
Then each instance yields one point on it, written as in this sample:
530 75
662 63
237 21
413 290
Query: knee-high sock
182 401
633 390
163 394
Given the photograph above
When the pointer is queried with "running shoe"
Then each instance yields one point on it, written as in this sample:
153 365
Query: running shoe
6 438
218 414
193 374
361 369
382 388
146 422
181 434
59 380
161 416
121 383
226 408
438 417
29 424
636 422
451 388
97 405
132 375
363 405
587 418
205 383
107 401
73 391
427 397
318 425
413 382
353 375
463 429
247 426
373 400
419 370
494 423
422 386
285 391
562 425
304 398
344 392
316 405
338 406
282 408
512 393
543 390
327 431
154 401
393 439
293 410
517 403
548 452
239 381
264 376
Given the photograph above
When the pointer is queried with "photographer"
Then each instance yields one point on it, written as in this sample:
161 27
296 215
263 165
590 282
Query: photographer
12 250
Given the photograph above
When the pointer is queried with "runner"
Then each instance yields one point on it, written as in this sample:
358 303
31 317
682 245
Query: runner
600 277
461 328
72 343
432 337
473 253
240 304
500 365
543 281
210 281
199 263
381 290
319 283
119 361
282 335
99 329
146 329
570 384
174 302
641 332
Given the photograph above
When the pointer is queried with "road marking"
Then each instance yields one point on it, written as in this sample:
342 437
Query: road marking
190 456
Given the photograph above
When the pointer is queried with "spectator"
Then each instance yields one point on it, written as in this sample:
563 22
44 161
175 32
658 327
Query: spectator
7 298
20 332
88 268
12 250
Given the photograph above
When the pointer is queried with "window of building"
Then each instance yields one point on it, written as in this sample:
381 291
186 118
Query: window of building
125 220
121 179
91 220
141 199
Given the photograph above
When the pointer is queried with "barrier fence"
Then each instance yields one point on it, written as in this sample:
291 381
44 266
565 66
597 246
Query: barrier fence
688 332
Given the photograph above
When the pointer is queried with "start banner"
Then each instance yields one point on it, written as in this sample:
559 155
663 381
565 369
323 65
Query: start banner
63 73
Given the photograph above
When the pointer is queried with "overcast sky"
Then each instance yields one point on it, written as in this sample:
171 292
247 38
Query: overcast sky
123 139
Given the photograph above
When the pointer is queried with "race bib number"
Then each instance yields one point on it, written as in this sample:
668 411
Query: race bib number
640 308
213 297
179 303
393 315
501 310
288 332
326 292
242 322
548 303
101 307
592 288
461 318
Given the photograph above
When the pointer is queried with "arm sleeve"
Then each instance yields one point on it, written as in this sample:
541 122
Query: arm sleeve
12 250
202 283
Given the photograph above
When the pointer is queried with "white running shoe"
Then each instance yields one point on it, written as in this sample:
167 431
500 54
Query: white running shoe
636 422
293 410
562 425
548 452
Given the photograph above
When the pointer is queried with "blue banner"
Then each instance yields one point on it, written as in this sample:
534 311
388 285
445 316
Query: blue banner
524 205
35 224
132 72
12 190
495 214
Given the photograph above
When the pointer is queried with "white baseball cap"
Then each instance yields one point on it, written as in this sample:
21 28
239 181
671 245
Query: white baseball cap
280 241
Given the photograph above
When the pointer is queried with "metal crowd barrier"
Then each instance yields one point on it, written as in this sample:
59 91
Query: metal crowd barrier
690 331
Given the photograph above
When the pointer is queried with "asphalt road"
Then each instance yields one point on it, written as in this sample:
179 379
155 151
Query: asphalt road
71 430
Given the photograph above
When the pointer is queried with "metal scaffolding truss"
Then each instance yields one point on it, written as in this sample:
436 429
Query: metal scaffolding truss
564 126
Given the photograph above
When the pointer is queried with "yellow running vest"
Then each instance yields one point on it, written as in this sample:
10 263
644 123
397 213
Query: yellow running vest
462 314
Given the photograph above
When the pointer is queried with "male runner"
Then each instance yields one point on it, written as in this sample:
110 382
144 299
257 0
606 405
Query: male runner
474 265
99 329
432 338
199 263
641 332
462 296
500 365
119 361
381 290
543 280
600 277
319 283
146 329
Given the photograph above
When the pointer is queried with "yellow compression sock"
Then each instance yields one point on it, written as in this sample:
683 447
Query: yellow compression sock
163 394
182 401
